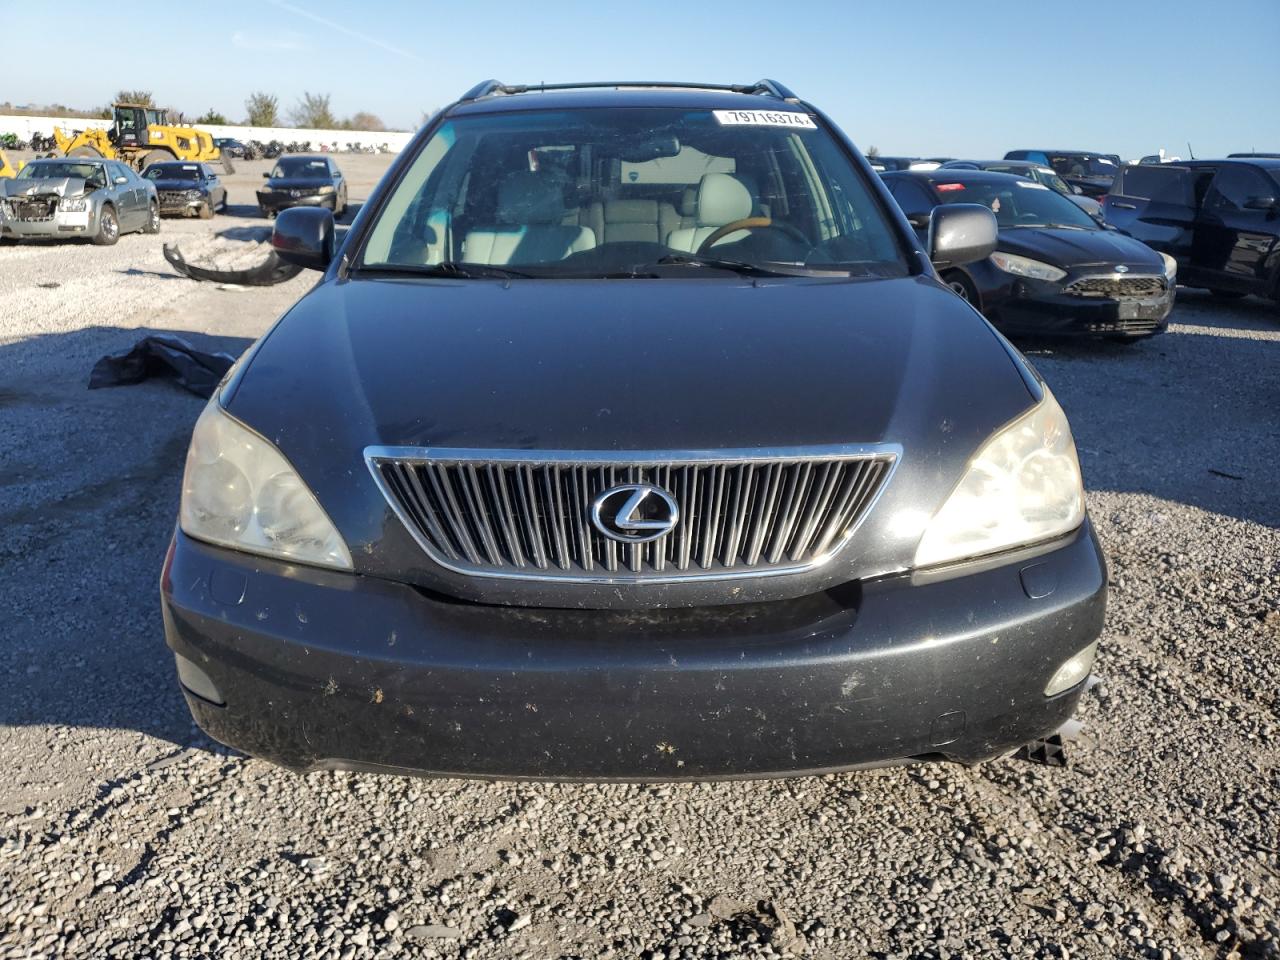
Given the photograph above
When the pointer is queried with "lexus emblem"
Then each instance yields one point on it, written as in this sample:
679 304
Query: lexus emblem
634 513
1121 268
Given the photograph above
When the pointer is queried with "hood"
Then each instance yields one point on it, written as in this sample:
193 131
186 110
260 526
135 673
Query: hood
163 184
310 184
1068 248
680 365
62 187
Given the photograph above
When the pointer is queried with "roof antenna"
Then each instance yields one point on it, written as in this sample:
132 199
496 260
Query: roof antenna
1191 153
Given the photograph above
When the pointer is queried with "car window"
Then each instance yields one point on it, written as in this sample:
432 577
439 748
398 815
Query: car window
1083 165
913 198
1234 186
308 168
593 191
1018 203
1147 182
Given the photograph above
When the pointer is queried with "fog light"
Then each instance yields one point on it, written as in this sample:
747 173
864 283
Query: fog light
1073 671
197 681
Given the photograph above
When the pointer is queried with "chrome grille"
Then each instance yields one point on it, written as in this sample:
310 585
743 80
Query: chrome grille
173 196
527 514
1118 287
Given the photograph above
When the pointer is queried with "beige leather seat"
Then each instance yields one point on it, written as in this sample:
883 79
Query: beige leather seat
722 199
530 227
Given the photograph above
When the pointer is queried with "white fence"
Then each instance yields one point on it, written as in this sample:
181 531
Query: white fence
396 140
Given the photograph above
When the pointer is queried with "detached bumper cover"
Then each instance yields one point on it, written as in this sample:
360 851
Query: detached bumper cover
321 669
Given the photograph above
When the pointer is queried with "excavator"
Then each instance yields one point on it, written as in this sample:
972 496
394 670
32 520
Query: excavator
140 135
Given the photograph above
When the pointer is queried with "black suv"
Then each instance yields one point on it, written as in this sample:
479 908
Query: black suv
1220 219
630 433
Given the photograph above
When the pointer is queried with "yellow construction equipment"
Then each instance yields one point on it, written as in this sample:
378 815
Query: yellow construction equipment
140 136
6 168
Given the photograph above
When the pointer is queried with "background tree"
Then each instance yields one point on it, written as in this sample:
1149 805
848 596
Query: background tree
873 151
313 112
263 110
213 117
142 97
363 120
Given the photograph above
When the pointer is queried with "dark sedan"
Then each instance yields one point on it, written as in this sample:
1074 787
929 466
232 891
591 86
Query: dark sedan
544 479
1056 270
187 189
303 181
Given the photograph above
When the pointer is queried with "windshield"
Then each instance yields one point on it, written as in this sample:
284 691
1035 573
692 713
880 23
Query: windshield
1083 165
1019 203
306 168
161 171
616 192
57 170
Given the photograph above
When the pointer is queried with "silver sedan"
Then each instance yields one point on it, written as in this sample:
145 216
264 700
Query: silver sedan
78 197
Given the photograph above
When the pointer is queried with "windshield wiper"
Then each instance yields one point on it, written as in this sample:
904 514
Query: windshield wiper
448 268
745 268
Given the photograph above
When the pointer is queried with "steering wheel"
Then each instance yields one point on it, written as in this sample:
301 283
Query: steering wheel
749 223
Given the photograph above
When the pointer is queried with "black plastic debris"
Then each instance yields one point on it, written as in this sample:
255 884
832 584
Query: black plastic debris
271 271
1049 751
197 370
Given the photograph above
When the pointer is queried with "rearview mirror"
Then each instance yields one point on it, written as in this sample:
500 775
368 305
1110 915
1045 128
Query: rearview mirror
304 236
961 233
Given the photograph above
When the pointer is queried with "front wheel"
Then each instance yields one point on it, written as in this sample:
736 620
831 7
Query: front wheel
963 287
108 228
153 219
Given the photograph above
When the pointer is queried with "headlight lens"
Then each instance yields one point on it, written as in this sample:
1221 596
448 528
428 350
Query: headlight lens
327 188
1026 267
194 194
1170 267
240 492
1023 485
73 204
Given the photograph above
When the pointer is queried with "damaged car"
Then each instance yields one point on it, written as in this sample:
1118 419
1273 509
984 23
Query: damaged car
1055 270
188 189
78 197
629 433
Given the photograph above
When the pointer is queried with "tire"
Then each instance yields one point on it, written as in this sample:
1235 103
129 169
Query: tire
963 288
1228 294
156 156
85 152
153 219
206 211
108 228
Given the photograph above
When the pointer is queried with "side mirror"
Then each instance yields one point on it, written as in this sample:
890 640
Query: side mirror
961 233
304 236
1260 203
266 176
119 180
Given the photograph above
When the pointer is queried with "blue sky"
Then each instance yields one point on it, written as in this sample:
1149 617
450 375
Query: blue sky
961 78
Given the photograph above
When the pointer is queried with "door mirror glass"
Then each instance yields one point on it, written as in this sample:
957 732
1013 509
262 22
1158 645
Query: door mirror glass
961 233
304 236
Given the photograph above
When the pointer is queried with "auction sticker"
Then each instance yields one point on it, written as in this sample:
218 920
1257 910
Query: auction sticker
765 118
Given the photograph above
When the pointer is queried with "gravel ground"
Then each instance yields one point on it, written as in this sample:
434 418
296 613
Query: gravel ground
124 833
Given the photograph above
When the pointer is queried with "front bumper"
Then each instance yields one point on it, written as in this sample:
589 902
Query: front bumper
321 669
1037 308
59 225
173 206
278 201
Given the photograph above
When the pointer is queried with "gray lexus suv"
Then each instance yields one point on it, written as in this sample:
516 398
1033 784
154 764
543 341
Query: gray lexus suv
629 433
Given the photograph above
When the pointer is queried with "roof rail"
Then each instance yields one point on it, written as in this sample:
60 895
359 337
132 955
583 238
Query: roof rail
489 88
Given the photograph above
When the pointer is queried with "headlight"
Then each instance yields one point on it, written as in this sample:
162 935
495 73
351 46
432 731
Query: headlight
1023 485
193 194
327 188
1026 267
238 491
73 204
1170 267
